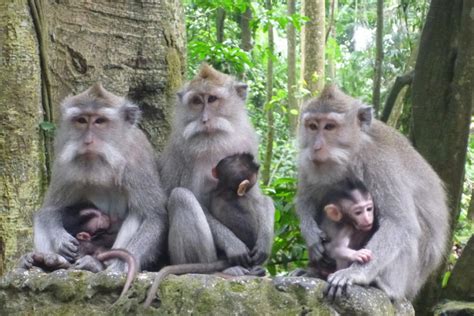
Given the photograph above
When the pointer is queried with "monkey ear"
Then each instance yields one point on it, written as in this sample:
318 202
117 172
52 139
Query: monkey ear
132 114
241 89
365 115
214 173
333 212
243 187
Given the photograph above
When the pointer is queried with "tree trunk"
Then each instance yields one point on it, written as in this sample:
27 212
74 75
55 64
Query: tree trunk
312 41
291 84
400 102
51 49
246 32
378 58
133 48
331 32
22 162
269 108
442 102
220 20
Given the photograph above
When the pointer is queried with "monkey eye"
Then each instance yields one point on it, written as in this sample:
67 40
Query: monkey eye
195 101
81 120
370 209
313 126
101 120
329 126
212 98
357 213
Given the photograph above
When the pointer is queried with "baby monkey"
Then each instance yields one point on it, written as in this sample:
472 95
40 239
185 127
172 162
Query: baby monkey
96 233
348 219
236 175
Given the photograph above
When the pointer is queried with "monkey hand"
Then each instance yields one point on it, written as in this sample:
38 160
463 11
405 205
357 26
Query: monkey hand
339 281
316 249
89 263
66 246
236 271
26 261
44 261
362 256
238 254
258 256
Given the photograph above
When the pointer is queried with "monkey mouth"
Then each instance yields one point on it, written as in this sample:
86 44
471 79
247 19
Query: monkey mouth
365 227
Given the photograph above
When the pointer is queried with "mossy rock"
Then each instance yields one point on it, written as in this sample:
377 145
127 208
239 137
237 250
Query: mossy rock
70 292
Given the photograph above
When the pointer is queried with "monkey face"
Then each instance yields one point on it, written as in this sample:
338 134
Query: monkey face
323 135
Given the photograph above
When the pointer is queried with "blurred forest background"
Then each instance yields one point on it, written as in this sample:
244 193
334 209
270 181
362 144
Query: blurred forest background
413 60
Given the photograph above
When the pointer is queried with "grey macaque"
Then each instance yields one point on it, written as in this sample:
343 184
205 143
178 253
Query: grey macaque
338 139
236 175
103 159
210 123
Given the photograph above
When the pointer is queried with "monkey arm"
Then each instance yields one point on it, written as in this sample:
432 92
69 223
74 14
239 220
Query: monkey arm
50 235
263 247
143 232
306 209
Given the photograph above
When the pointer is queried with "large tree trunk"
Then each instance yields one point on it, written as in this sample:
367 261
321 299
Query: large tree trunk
442 101
134 48
312 41
291 84
21 144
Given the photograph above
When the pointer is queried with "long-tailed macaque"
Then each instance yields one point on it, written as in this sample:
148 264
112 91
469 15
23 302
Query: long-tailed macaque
210 123
229 204
338 139
103 159
348 221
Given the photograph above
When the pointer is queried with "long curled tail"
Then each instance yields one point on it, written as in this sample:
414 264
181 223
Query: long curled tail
128 258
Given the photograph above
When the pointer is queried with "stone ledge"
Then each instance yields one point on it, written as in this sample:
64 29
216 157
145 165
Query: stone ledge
70 292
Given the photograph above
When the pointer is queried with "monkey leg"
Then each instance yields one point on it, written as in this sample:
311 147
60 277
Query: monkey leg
89 263
190 239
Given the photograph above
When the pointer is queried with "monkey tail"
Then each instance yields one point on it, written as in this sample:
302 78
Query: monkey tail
128 258
199 268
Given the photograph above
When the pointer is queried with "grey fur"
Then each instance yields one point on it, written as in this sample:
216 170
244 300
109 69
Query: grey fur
413 215
196 235
124 183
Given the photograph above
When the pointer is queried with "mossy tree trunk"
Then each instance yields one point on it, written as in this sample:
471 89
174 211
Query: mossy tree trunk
21 144
442 101
49 49
313 40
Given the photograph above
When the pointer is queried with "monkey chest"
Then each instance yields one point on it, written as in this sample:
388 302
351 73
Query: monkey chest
108 201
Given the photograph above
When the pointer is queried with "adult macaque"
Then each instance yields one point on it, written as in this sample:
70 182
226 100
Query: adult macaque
349 222
103 159
210 123
229 204
339 139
